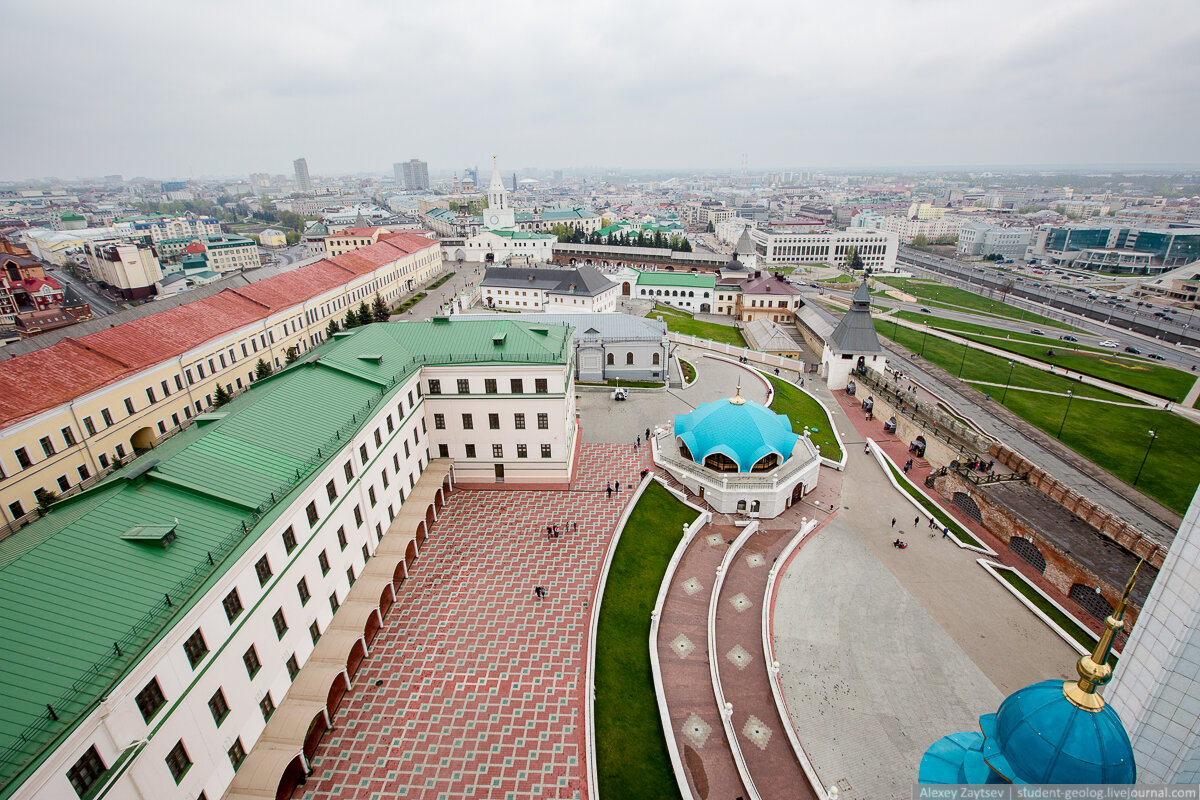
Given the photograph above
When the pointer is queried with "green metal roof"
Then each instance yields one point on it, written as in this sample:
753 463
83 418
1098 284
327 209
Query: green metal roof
80 603
511 234
689 279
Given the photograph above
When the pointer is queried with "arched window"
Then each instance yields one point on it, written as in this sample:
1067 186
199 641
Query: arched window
610 359
741 506
706 294
691 294
629 358
720 462
643 292
754 507
654 359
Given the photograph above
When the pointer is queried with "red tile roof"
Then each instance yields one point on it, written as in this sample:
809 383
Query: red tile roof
45 378
34 284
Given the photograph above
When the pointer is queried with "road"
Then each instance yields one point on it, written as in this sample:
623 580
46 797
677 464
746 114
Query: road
101 305
1055 458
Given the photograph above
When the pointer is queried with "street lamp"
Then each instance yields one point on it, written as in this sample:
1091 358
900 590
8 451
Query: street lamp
964 360
1153 436
1007 381
926 333
1064 419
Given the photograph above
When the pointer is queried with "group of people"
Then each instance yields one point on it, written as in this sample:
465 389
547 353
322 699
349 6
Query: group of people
539 592
552 531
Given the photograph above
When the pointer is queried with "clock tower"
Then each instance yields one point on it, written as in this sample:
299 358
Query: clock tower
499 213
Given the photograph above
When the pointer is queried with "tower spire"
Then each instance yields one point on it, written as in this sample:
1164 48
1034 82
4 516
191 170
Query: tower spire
1093 669
737 399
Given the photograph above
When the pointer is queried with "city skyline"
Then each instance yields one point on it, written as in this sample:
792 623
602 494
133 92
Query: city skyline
907 85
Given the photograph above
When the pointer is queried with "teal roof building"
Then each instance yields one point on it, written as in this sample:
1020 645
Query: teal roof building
732 433
1050 732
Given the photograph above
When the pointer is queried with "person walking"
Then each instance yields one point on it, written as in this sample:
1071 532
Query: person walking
617 486
608 489
647 434
639 441
916 521
893 522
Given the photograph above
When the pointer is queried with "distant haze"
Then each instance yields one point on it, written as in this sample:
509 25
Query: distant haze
173 89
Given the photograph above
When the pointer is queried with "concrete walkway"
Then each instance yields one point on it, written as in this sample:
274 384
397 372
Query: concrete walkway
1193 395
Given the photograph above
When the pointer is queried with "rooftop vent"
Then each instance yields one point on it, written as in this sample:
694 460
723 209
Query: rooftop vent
163 534
441 319
540 330
376 357
138 470
209 417
498 339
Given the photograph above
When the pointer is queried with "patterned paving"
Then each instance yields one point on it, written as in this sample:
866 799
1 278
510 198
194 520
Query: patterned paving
475 688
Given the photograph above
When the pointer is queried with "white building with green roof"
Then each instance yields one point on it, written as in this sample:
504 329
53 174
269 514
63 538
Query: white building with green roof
209 603
690 291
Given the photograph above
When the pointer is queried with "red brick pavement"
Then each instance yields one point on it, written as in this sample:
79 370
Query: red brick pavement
474 687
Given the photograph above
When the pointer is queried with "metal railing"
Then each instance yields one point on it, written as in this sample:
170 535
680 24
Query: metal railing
975 477
933 421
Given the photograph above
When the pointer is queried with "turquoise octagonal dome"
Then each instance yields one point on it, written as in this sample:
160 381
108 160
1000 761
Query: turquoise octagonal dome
741 430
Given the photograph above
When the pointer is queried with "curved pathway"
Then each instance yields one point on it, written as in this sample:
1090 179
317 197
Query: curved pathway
474 688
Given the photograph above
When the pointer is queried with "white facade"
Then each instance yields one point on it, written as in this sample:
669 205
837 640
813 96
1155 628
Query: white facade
877 248
983 239
730 230
507 297
1156 688
500 245
909 229
123 265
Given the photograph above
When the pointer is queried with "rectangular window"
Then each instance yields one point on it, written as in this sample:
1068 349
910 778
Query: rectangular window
371 496
89 426
391 427
464 386
263 570
435 386
150 699
311 511
366 557
293 667
68 435
468 422
106 415
439 421
250 659
103 459
497 451
489 385
494 422
378 437
84 773
196 648
23 459
358 517
384 476
518 385
84 473
289 540
267 707
541 385
543 422
129 406
362 453
314 631
150 394
342 541
443 451
119 450
280 623
323 561
178 761
350 573
407 453
331 491
233 605
302 590
522 451
348 468
519 421
237 753
470 451
545 451
334 604
63 483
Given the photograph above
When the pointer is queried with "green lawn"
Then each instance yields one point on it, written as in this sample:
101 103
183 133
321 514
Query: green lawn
441 280
631 753
409 303
945 520
805 412
1136 373
682 322
839 279
689 372
1114 437
951 297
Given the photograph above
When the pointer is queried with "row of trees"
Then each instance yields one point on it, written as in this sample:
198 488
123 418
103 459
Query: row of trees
921 241
572 235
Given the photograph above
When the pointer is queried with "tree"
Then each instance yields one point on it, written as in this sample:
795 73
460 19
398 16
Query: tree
685 246
44 497
379 309
364 314
261 370
291 355
920 241
853 259
332 328
710 228
351 322
293 237
221 396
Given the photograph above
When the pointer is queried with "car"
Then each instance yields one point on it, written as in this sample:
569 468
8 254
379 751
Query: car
1132 349
1155 356
1068 338
1036 332
1109 343
925 310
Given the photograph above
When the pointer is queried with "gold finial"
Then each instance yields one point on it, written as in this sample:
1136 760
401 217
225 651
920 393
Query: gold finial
1093 669
737 399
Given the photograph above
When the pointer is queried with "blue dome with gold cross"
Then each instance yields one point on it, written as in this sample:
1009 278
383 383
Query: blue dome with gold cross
735 435
1050 732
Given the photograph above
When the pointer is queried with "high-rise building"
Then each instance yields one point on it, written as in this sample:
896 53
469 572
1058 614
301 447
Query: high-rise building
1156 690
416 174
303 182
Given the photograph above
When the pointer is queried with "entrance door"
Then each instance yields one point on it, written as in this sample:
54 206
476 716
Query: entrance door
701 492
499 473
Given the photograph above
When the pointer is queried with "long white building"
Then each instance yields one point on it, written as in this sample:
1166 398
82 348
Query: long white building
186 628
877 248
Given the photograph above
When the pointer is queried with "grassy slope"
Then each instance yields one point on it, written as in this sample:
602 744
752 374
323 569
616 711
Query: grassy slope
949 296
631 753
682 322
805 412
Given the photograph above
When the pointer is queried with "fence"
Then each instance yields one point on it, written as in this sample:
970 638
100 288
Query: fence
928 416
769 359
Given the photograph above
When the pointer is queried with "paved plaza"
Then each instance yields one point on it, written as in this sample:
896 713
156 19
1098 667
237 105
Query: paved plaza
474 688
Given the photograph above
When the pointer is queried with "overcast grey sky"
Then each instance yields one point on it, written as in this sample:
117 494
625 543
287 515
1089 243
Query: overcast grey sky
218 87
